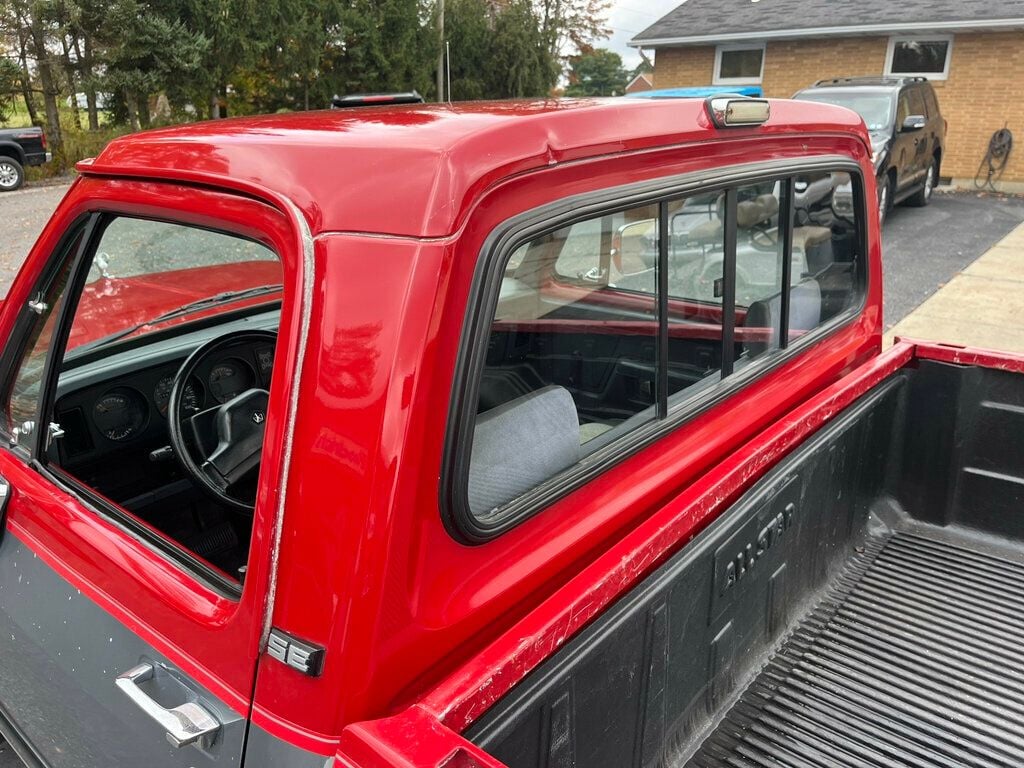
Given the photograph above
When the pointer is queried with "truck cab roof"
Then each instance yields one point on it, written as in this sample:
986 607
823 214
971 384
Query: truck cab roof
434 159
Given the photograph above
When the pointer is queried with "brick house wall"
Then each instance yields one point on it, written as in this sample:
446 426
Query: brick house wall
983 93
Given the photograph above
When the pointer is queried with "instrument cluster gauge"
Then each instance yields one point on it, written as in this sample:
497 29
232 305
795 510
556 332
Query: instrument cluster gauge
120 414
191 397
229 378
265 358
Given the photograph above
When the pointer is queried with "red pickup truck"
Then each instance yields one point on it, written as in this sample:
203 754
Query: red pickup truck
525 434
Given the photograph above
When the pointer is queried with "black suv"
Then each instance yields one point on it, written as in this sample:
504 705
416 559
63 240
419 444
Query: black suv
908 134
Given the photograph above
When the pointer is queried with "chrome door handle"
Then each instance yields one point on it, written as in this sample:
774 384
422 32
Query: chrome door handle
188 723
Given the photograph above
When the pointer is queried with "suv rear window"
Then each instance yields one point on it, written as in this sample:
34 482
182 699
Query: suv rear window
606 329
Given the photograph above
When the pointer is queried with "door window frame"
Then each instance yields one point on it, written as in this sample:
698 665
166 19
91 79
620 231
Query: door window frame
458 518
211 638
12 356
36 446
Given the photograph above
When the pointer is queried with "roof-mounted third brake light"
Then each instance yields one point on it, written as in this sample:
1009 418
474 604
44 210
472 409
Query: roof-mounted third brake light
375 99
733 111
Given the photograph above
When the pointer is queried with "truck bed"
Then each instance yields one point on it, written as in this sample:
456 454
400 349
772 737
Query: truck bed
914 657
862 605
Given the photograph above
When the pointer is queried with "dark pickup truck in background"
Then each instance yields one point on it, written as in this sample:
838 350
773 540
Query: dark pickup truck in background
20 147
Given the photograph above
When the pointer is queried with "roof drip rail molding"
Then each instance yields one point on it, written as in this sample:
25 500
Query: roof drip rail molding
871 80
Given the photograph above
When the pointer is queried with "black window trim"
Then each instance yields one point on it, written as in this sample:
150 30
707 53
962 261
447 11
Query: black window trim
92 226
12 354
787 213
458 519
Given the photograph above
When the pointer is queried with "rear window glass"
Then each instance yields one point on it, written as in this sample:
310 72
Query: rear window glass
605 326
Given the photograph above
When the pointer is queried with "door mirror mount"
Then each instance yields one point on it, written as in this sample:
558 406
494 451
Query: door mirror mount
913 123
635 246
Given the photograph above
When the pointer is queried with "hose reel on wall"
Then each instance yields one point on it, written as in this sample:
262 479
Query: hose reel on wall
994 162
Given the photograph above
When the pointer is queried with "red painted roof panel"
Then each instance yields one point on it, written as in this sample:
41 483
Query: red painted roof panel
415 170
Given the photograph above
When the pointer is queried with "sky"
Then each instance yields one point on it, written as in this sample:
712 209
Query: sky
629 17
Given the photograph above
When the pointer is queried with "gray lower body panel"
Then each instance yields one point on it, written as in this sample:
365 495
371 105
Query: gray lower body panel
59 655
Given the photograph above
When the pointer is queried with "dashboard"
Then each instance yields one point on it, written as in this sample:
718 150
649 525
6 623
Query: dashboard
114 411
126 406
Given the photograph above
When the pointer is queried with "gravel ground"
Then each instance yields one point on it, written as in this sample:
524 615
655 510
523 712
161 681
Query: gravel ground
22 217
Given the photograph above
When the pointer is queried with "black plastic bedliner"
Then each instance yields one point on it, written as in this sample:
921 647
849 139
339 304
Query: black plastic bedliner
861 605
915 657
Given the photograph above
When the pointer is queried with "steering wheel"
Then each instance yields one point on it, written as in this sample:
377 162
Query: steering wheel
764 238
220 447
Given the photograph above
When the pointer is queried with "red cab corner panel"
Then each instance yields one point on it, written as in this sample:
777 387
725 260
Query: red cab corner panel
412 739
461 698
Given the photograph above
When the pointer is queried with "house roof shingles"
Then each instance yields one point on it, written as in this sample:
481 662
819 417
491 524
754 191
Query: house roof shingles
707 20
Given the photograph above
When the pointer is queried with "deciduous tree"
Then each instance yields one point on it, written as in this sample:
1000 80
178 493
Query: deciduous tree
498 50
597 72
10 87
572 26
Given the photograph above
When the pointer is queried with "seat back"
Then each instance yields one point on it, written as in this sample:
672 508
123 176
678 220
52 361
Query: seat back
804 313
519 445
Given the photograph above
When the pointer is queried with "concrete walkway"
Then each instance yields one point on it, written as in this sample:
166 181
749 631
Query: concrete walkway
982 306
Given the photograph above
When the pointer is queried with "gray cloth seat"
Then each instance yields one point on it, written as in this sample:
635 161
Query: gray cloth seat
519 445
804 313
592 430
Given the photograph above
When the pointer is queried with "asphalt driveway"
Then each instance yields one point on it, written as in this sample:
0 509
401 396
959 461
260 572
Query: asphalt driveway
923 248
23 214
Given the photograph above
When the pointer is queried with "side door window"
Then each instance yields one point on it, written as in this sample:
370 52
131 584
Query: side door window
28 368
139 436
904 147
123 567
921 138
903 109
605 329
917 105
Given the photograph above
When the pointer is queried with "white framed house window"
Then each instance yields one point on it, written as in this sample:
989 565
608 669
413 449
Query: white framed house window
924 56
740 64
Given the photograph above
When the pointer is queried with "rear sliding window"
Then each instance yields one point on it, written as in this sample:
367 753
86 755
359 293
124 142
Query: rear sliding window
606 326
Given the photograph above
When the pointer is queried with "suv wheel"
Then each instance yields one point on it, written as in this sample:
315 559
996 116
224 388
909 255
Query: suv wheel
884 198
11 174
924 195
